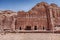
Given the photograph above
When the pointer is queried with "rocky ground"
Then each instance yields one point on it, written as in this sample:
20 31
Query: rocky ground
30 36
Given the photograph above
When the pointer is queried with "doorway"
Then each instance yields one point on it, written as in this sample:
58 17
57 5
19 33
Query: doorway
20 28
28 28
35 27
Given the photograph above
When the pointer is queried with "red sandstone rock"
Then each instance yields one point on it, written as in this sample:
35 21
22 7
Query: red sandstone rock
41 17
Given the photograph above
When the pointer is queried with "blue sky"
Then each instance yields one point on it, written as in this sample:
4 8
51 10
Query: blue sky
18 5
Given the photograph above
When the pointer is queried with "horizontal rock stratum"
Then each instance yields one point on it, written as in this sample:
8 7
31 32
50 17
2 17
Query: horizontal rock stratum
42 17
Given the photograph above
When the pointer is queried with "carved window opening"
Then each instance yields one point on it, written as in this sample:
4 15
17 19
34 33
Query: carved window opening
28 28
35 27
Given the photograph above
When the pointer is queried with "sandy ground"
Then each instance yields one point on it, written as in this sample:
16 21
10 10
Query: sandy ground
30 36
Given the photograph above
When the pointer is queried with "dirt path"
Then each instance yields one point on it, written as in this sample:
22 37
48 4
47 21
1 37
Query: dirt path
30 36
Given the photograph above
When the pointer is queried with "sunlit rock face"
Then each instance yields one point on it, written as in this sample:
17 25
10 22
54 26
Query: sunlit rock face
7 20
42 16
2 18
36 18
39 13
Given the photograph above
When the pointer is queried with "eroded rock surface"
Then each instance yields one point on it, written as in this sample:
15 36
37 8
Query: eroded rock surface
42 16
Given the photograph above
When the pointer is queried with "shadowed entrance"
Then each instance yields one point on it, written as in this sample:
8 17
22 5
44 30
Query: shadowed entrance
35 27
28 28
